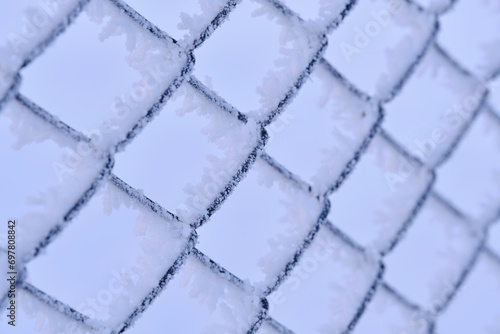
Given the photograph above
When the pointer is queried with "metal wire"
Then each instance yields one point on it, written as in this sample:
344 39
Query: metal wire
258 152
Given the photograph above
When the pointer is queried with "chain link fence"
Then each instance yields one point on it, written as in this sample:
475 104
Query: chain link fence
344 273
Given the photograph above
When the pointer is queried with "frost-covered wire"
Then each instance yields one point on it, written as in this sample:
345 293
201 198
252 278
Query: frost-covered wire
258 152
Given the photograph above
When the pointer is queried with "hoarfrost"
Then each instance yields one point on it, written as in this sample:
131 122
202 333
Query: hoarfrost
37 317
297 50
435 6
450 244
76 175
148 55
235 141
196 23
387 314
398 56
30 34
342 274
224 300
300 214
396 184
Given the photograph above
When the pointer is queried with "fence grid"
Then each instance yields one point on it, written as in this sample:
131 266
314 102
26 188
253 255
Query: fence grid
258 152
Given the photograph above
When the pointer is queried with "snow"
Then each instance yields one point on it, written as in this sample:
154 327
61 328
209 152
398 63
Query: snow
255 89
436 6
387 186
269 228
317 9
325 124
494 237
34 316
183 20
482 176
266 328
295 222
385 32
136 248
473 21
213 304
475 308
196 23
296 51
386 314
198 173
23 32
49 174
220 61
435 252
5 83
102 46
439 101
319 16
494 97
326 287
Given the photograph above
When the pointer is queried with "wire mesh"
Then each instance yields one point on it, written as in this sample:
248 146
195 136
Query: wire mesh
321 195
